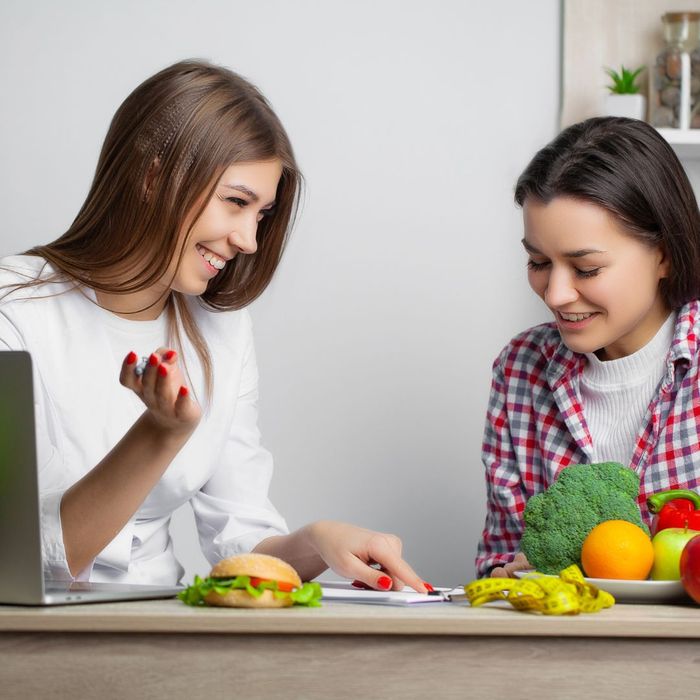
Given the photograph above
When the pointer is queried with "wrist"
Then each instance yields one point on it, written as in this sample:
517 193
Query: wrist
165 435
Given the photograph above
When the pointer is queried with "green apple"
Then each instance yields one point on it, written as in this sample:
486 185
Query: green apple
668 545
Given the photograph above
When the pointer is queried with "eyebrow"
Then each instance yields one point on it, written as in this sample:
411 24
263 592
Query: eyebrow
572 254
244 189
248 191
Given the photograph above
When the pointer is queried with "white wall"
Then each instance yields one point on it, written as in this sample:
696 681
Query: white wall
404 276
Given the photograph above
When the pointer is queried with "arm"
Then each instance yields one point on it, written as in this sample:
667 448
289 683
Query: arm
506 497
100 504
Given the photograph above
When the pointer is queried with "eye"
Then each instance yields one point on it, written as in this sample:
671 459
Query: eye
265 213
237 201
587 273
535 266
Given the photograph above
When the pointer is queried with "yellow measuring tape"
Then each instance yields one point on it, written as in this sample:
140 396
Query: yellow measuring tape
567 594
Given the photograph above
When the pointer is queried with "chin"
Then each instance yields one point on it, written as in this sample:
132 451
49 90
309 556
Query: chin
580 346
191 289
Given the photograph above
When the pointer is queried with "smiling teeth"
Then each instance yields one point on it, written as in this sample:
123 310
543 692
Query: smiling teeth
213 260
574 317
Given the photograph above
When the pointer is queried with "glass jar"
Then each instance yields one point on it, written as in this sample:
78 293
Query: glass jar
674 91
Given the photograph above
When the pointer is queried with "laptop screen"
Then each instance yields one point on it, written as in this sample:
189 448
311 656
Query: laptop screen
21 573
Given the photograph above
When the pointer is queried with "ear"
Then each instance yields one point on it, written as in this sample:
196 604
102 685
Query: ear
150 179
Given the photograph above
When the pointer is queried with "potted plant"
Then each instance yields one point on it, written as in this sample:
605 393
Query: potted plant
624 98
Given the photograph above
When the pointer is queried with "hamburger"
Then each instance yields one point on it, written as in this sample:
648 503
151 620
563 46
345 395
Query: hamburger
252 581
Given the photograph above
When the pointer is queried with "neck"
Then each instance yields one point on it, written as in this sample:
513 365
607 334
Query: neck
144 305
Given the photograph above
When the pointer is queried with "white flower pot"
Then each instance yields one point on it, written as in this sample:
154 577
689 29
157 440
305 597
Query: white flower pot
632 106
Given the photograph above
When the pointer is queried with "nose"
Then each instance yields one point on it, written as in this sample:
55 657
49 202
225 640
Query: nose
244 237
560 289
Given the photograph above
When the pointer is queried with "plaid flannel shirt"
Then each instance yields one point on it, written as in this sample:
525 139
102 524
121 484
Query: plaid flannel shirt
535 427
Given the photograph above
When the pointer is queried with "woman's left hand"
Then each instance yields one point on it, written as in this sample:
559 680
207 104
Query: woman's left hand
351 551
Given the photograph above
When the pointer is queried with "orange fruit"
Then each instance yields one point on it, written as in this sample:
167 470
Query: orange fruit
617 549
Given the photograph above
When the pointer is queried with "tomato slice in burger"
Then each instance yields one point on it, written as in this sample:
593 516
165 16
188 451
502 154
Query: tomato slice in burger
281 586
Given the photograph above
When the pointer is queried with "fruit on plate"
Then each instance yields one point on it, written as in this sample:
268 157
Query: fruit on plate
690 568
617 549
674 508
668 546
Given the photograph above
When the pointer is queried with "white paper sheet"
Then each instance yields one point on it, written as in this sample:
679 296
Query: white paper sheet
344 592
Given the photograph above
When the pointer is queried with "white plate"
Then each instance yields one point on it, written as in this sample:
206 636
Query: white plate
635 591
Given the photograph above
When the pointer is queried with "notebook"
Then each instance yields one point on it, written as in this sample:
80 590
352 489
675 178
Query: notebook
21 571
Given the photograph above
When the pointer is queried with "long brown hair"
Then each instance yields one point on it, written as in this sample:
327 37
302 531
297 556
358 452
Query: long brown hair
168 144
627 167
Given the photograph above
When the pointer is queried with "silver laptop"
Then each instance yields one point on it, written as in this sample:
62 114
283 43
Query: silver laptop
21 571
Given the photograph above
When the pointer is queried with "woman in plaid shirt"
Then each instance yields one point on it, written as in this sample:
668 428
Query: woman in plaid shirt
612 231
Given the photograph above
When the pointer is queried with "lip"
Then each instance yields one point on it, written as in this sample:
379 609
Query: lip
213 252
574 325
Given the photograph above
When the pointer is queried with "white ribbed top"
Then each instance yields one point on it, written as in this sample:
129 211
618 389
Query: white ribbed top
616 395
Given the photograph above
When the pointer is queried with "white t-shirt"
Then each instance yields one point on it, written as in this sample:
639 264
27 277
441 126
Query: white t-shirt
82 411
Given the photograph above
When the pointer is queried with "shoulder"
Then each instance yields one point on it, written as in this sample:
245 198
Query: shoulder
529 350
19 275
19 269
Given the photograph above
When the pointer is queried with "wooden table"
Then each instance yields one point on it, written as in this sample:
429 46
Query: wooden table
164 649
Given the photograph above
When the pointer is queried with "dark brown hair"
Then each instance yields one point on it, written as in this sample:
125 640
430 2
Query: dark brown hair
629 169
168 144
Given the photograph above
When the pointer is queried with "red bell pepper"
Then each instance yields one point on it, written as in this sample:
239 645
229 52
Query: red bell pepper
675 508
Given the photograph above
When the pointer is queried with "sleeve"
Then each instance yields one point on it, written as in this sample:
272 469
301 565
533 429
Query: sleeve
232 510
51 486
505 494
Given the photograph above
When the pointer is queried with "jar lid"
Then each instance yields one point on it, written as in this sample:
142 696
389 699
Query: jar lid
680 16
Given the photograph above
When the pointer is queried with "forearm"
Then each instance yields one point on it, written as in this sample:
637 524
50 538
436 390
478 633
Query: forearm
296 549
98 506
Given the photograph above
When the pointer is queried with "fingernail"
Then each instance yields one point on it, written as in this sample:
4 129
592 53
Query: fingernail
153 360
361 584
162 370
385 582
429 586
184 391
131 358
169 355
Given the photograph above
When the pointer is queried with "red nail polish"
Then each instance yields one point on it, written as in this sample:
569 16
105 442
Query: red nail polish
153 360
429 586
162 370
169 355
385 582
184 391
131 358
361 584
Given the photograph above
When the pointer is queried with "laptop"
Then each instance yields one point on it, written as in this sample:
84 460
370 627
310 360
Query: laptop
21 571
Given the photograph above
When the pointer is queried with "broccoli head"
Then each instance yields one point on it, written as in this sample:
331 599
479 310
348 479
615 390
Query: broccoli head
558 520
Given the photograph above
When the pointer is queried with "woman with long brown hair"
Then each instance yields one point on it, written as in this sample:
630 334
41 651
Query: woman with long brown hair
195 191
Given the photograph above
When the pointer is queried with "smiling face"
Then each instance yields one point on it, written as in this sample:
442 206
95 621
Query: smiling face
601 283
228 225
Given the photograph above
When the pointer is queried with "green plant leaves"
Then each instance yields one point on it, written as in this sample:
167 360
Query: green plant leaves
624 81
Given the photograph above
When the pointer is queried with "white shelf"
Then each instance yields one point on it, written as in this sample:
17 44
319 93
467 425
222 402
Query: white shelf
685 142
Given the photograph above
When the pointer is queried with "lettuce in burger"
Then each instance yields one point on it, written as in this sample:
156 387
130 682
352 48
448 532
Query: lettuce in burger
252 581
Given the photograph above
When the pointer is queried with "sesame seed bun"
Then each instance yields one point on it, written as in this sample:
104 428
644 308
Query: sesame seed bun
257 566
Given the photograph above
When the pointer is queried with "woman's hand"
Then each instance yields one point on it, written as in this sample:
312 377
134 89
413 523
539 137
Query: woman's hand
519 563
162 389
351 551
